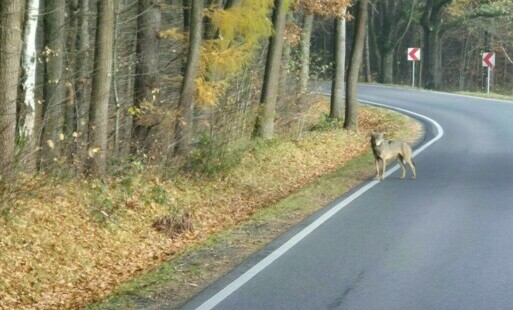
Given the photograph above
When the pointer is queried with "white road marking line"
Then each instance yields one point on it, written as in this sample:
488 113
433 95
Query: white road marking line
509 101
253 271
432 121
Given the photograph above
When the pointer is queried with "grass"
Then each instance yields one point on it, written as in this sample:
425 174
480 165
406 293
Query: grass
492 95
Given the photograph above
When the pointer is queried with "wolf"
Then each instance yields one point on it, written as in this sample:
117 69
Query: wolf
386 150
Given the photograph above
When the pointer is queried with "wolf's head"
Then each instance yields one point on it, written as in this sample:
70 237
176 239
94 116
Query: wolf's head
377 138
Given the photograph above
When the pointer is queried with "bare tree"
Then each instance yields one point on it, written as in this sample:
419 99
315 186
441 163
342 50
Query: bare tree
431 24
70 108
351 115
392 22
147 67
83 83
368 75
98 112
183 131
337 88
54 87
10 53
304 74
264 125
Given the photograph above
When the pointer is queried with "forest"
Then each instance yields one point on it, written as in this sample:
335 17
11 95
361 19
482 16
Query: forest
105 100
98 84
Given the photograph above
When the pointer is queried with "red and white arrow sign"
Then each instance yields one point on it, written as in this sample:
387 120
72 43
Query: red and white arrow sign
489 59
414 53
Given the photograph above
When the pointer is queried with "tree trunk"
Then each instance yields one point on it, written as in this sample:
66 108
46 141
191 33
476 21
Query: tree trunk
147 68
392 24
337 88
184 123
186 14
351 115
125 45
29 64
83 84
432 72
284 87
284 75
264 125
431 24
210 30
10 53
99 108
368 74
54 88
387 66
231 3
304 74
463 64
373 33
70 111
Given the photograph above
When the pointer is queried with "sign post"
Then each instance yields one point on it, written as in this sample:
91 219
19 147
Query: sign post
488 61
413 56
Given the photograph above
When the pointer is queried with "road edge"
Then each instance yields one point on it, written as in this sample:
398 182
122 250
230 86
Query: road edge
234 285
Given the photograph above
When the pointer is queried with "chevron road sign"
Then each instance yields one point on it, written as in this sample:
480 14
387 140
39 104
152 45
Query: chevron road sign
489 59
414 54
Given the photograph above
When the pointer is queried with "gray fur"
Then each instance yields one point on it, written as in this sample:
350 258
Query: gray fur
386 150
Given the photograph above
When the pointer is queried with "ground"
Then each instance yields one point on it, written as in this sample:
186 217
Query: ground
176 281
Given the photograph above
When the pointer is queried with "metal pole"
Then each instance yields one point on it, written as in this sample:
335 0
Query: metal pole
413 75
488 83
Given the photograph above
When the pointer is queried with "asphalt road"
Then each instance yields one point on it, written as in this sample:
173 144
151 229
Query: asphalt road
443 241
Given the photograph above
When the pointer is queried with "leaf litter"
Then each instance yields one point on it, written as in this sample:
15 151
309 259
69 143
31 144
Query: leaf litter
73 242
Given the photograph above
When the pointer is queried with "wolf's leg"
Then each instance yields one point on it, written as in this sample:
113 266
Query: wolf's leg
412 167
376 161
400 160
384 169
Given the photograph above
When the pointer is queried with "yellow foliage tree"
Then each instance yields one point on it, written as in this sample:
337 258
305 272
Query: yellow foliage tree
330 8
239 31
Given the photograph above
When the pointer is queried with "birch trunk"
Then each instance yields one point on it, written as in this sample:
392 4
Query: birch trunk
29 66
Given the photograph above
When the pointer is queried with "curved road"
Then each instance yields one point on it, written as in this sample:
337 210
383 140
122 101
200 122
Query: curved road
443 241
